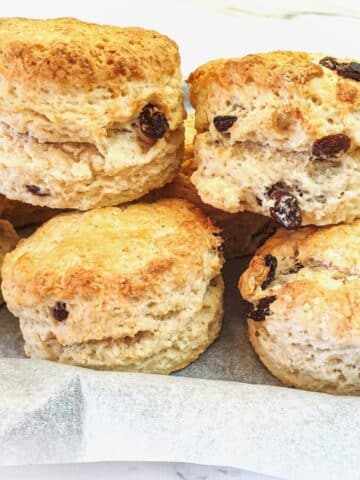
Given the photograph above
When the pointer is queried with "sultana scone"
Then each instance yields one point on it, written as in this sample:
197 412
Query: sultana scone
134 288
90 115
304 323
278 135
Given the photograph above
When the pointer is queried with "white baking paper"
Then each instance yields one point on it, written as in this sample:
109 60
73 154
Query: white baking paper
225 409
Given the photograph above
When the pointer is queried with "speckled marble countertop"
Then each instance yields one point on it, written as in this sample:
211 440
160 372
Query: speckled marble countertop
204 29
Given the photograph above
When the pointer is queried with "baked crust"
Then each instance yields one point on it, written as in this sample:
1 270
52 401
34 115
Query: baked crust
69 53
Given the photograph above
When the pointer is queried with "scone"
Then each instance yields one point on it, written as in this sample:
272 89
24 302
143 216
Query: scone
134 288
242 232
22 214
8 240
90 115
304 323
279 135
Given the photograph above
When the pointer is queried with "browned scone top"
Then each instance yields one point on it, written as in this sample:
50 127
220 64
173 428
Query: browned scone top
114 250
304 323
71 53
291 97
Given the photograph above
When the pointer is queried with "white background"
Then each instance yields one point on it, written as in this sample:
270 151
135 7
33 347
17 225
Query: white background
204 30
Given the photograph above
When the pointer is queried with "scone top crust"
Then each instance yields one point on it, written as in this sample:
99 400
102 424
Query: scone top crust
273 70
283 99
135 252
70 53
308 282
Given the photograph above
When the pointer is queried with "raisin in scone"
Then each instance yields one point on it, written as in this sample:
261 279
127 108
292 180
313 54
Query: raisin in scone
134 288
279 135
90 115
304 323
242 232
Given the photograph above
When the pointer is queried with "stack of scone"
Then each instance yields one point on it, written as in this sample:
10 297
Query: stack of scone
92 116
278 134
92 119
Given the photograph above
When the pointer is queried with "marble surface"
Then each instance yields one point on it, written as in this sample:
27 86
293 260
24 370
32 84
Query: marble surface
128 471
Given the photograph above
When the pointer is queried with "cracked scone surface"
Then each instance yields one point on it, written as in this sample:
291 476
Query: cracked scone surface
135 288
305 322
278 134
91 115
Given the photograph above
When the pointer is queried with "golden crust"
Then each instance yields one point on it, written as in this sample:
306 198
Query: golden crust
111 251
283 99
273 70
70 53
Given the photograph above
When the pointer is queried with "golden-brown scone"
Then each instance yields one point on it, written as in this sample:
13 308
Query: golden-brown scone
242 233
134 288
305 318
8 240
278 135
91 115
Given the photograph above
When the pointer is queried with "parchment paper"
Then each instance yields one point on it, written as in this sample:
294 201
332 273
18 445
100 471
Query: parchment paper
225 409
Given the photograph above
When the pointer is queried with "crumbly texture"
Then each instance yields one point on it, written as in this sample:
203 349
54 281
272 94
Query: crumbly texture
133 288
242 233
245 176
8 240
71 175
307 303
71 96
282 99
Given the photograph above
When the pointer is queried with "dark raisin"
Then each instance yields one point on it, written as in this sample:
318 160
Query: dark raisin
59 311
271 262
262 309
35 190
286 210
153 123
331 146
276 187
329 62
347 70
298 266
258 201
223 123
